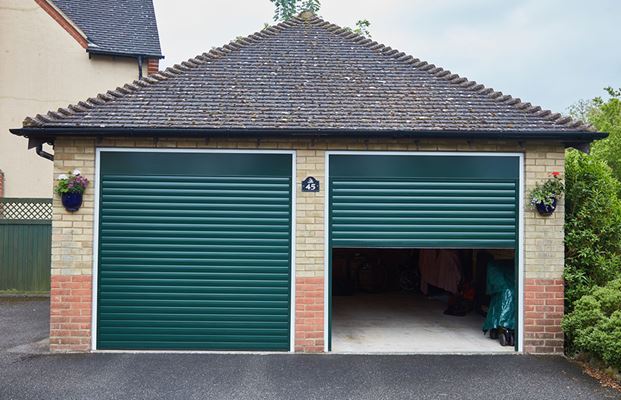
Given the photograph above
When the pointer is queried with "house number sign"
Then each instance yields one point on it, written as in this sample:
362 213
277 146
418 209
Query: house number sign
310 184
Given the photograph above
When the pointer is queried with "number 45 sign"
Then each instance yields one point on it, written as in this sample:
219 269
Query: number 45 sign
310 184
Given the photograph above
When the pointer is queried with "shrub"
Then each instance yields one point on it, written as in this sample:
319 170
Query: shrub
592 225
594 326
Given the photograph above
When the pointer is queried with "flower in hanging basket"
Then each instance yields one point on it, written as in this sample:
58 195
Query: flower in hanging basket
545 196
70 187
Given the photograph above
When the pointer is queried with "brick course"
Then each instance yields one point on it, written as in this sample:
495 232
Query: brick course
543 237
309 313
70 316
543 311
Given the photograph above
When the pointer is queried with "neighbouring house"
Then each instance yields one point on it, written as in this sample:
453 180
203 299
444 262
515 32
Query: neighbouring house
304 189
56 52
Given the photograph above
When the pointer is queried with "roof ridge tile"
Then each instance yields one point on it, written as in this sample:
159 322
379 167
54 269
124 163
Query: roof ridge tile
65 111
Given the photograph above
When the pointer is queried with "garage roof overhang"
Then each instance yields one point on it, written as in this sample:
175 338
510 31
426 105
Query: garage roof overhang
576 139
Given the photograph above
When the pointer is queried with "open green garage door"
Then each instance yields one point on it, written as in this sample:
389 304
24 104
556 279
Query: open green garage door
194 251
418 201
424 201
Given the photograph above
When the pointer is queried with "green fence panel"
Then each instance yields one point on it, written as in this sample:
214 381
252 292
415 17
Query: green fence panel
25 244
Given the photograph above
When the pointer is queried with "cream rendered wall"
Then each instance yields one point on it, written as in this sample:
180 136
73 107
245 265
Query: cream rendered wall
42 68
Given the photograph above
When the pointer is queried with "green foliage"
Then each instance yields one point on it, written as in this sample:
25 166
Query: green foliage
592 225
310 5
594 326
287 9
550 190
605 116
593 236
362 28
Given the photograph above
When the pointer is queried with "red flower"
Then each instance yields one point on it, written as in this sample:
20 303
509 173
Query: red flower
555 173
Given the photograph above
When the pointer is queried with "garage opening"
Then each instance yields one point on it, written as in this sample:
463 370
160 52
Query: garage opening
423 300
393 215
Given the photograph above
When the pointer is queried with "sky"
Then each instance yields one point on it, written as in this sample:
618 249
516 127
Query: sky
551 53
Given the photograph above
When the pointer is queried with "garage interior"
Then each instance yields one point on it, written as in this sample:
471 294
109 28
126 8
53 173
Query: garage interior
414 300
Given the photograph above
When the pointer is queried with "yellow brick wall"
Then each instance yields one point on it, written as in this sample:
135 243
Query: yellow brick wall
73 232
544 250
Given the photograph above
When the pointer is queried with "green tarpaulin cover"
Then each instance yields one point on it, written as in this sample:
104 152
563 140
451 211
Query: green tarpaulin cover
501 289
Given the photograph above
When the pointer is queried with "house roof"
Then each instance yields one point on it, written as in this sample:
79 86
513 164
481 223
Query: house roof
116 27
309 76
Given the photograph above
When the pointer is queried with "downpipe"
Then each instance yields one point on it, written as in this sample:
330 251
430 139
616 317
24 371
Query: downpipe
44 154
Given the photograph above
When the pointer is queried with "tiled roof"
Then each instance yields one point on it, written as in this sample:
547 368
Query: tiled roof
307 74
122 27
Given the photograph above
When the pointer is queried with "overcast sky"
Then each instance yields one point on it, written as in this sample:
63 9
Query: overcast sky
548 52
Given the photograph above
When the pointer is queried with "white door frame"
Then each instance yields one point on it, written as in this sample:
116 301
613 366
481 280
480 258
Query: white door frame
100 150
519 250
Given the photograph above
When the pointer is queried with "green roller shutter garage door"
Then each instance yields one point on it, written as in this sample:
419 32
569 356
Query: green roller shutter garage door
424 201
194 251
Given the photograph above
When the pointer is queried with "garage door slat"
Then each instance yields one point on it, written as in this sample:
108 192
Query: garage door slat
209 318
182 296
189 334
145 324
173 289
189 345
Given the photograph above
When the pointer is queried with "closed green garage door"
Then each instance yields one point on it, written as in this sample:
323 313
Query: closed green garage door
194 251
424 201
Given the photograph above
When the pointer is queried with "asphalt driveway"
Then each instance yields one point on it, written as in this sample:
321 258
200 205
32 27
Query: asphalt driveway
27 372
24 325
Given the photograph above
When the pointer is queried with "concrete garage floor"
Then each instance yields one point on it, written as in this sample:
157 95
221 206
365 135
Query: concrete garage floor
404 323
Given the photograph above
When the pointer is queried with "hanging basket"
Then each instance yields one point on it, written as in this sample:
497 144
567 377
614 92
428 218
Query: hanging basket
71 201
546 210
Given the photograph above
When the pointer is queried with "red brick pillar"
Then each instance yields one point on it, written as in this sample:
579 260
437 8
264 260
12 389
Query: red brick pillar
153 65
543 312
309 309
1 183
70 313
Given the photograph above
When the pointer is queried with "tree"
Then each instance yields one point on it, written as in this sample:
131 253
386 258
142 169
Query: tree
362 28
605 116
287 9
592 225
